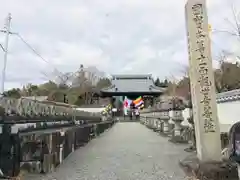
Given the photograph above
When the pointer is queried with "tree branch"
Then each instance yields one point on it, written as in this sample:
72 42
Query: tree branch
236 21
225 31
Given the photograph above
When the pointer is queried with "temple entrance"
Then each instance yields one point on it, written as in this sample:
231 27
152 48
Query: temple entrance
132 97
128 92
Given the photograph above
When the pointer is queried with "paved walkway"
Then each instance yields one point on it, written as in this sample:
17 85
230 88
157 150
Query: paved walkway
128 151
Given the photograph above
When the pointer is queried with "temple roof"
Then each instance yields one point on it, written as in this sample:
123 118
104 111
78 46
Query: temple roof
142 84
132 76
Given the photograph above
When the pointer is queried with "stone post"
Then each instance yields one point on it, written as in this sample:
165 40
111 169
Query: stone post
158 128
144 120
49 142
202 83
203 96
171 124
155 121
73 141
62 135
50 148
95 127
10 151
147 121
152 117
161 122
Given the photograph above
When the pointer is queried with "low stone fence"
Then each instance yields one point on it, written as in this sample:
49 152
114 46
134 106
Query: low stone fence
33 108
176 124
168 123
42 151
38 136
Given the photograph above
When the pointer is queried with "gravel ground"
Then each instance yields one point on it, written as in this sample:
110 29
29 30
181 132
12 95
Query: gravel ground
128 151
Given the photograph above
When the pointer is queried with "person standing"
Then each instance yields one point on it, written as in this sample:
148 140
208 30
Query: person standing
137 113
132 107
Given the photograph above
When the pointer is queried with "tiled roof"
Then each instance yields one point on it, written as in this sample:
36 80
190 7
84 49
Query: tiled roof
132 76
133 83
228 96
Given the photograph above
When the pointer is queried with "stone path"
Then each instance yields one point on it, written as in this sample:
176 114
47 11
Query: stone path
128 151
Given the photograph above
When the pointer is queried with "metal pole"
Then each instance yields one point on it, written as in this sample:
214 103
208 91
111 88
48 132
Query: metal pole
7 28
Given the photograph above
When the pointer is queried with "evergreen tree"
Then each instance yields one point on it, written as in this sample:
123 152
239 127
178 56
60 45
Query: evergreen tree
157 82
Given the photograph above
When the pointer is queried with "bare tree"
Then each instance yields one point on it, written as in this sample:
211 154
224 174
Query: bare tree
64 79
233 23
87 76
232 31
184 70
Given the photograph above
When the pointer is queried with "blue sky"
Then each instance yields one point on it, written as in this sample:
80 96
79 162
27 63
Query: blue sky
122 36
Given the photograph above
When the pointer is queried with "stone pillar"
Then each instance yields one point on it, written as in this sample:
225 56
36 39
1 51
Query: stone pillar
47 163
51 154
147 121
95 130
171 125
49 142
153 122
158 124
209 164
154 115
202 82
156 127
62 135
10 151
73 141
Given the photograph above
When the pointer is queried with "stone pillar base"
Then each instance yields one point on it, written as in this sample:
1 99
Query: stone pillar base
209 170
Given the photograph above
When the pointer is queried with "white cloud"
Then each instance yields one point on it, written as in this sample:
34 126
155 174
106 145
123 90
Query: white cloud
127 36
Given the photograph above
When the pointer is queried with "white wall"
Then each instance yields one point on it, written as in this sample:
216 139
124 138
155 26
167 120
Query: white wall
93 110
229 112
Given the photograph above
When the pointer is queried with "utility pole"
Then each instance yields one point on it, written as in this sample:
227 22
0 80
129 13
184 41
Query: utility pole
6 30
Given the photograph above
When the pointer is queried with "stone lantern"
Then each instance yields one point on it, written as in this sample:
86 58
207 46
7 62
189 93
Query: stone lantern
164 117
177 118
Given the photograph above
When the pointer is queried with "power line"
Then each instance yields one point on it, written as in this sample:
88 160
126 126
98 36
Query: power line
2 48
30 47
35 52
7 31
63 77
41 57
